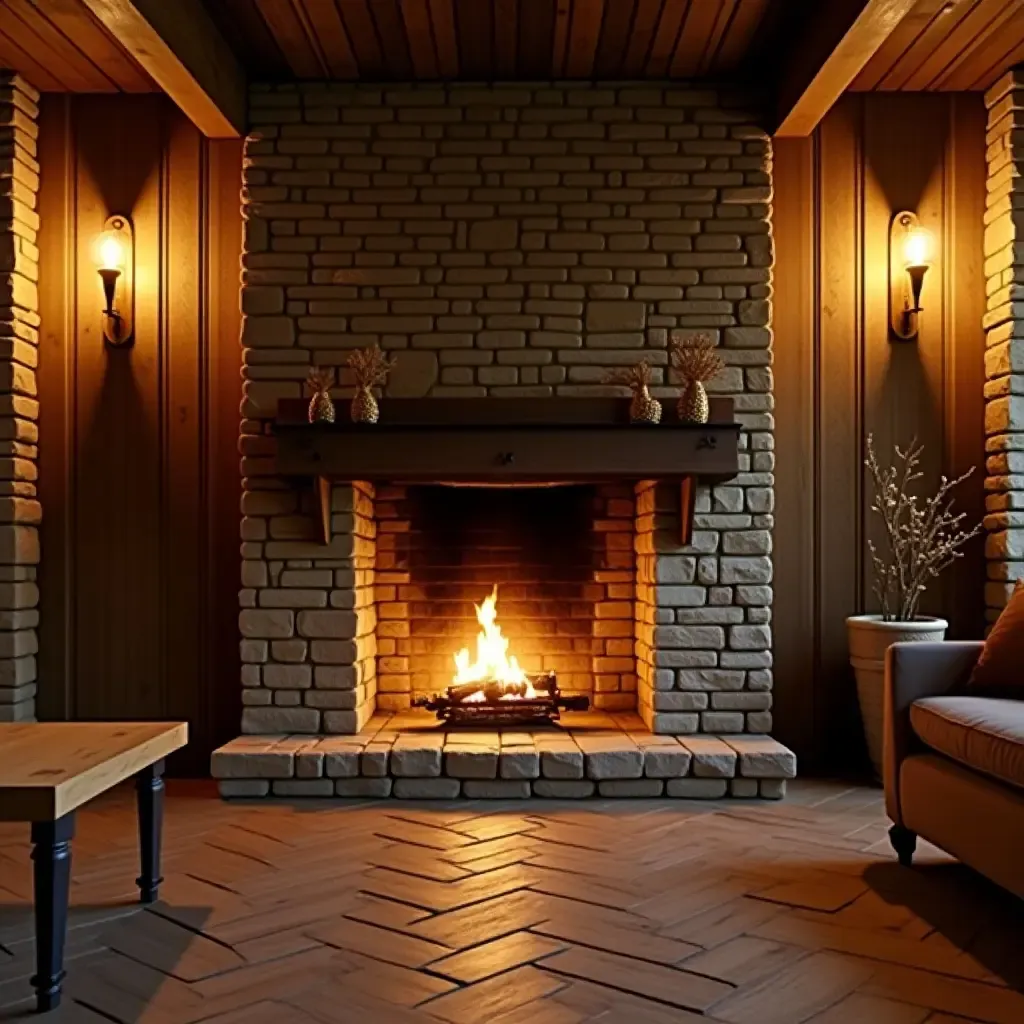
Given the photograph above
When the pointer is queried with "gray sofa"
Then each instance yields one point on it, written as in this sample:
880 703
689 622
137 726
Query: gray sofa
953 762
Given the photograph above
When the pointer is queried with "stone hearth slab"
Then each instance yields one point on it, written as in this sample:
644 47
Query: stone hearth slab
410 755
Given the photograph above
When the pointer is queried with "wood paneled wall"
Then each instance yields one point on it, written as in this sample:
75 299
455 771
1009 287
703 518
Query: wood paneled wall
139 466
839 378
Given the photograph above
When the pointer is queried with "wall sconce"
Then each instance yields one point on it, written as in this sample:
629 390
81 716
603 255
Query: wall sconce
910 251
115 261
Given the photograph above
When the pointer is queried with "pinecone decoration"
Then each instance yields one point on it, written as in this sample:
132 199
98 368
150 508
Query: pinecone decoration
321 406
370 368
693 403
643 408
696 362
364 408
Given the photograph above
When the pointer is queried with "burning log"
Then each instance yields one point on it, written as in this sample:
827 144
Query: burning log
498 706
490 688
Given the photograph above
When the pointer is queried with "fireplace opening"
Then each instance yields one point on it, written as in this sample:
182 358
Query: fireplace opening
505 605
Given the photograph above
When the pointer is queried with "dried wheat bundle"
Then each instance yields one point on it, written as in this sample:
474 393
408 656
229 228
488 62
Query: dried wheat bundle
370 366
695 357
923 535
320 379
636 377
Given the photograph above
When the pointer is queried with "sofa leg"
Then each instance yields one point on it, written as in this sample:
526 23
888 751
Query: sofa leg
904 842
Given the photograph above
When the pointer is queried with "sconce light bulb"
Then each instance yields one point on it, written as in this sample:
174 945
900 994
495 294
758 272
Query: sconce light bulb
917 248
111 254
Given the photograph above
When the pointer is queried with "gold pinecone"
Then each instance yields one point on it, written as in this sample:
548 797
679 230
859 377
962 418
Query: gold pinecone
644 408
364 407
693 403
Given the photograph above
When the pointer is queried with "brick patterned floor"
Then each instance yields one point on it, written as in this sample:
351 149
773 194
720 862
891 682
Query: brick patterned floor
547 913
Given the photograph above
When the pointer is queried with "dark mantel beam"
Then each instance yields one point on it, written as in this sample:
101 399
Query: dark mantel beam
837 39
185 54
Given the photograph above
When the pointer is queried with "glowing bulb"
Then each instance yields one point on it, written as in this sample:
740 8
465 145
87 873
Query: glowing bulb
917 247
111 253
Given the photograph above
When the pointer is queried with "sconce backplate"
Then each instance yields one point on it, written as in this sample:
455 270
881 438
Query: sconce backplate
120 330
902 319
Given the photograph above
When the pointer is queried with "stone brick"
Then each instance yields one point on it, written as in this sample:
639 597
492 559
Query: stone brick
496 789
415 762
564 789
426 789
697 789
280 720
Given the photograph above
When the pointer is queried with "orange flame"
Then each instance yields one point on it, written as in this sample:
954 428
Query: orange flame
493 662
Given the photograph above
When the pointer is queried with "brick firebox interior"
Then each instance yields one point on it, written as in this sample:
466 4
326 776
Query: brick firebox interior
503 241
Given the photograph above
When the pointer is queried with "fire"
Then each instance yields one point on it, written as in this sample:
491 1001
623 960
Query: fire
493 663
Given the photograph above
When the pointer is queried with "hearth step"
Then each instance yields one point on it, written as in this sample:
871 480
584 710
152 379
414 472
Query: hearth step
427 761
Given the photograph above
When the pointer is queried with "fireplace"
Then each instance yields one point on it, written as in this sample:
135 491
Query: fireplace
511 246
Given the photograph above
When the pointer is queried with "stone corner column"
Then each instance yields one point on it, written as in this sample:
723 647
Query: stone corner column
1004 342
19 410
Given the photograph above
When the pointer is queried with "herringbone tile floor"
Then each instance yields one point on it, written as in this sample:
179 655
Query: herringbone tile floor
547 913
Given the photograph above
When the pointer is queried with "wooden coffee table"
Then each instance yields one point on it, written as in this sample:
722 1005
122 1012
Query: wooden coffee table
47 771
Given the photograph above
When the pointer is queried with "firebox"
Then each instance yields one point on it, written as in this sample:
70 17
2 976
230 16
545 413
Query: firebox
526 590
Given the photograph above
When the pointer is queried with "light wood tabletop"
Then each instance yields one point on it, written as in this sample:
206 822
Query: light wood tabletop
47 769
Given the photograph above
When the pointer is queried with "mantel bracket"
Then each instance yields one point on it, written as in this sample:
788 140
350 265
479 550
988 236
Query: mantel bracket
687 504
322 493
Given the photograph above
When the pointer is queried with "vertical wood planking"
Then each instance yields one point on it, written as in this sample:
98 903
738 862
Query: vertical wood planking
964 296
797 543
140 477
837 376
58 266
223 486
839 414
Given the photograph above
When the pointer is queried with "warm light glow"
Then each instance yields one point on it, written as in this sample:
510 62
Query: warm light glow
110 252
493 663
917 248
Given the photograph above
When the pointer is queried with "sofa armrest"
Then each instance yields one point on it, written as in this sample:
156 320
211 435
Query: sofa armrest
913 671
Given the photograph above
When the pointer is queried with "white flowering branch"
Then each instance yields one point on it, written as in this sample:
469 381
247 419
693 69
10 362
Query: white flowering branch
924 537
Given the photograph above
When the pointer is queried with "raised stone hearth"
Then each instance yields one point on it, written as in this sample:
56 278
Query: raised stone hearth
589 754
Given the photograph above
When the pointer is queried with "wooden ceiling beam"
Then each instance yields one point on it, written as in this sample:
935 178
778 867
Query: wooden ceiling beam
839 40
181 48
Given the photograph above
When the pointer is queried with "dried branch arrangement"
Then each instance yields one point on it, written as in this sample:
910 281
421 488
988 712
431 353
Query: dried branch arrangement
370 366
697 362
321 378
923 535
636 377
695 357
321 407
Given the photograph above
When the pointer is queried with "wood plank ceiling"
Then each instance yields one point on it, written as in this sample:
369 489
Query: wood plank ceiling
948 46
940 45
59 46
492 39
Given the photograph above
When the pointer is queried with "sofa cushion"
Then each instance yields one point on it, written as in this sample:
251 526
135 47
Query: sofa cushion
983 733
1000 668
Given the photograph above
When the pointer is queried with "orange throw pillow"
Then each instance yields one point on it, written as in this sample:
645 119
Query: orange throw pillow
1000 669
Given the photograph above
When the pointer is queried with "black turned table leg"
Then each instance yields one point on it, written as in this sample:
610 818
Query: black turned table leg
149 784
51 854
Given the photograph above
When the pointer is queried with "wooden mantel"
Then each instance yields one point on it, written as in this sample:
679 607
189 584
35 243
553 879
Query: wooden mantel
512 441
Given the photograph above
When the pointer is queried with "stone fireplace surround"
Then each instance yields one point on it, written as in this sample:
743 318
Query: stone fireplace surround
505 241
